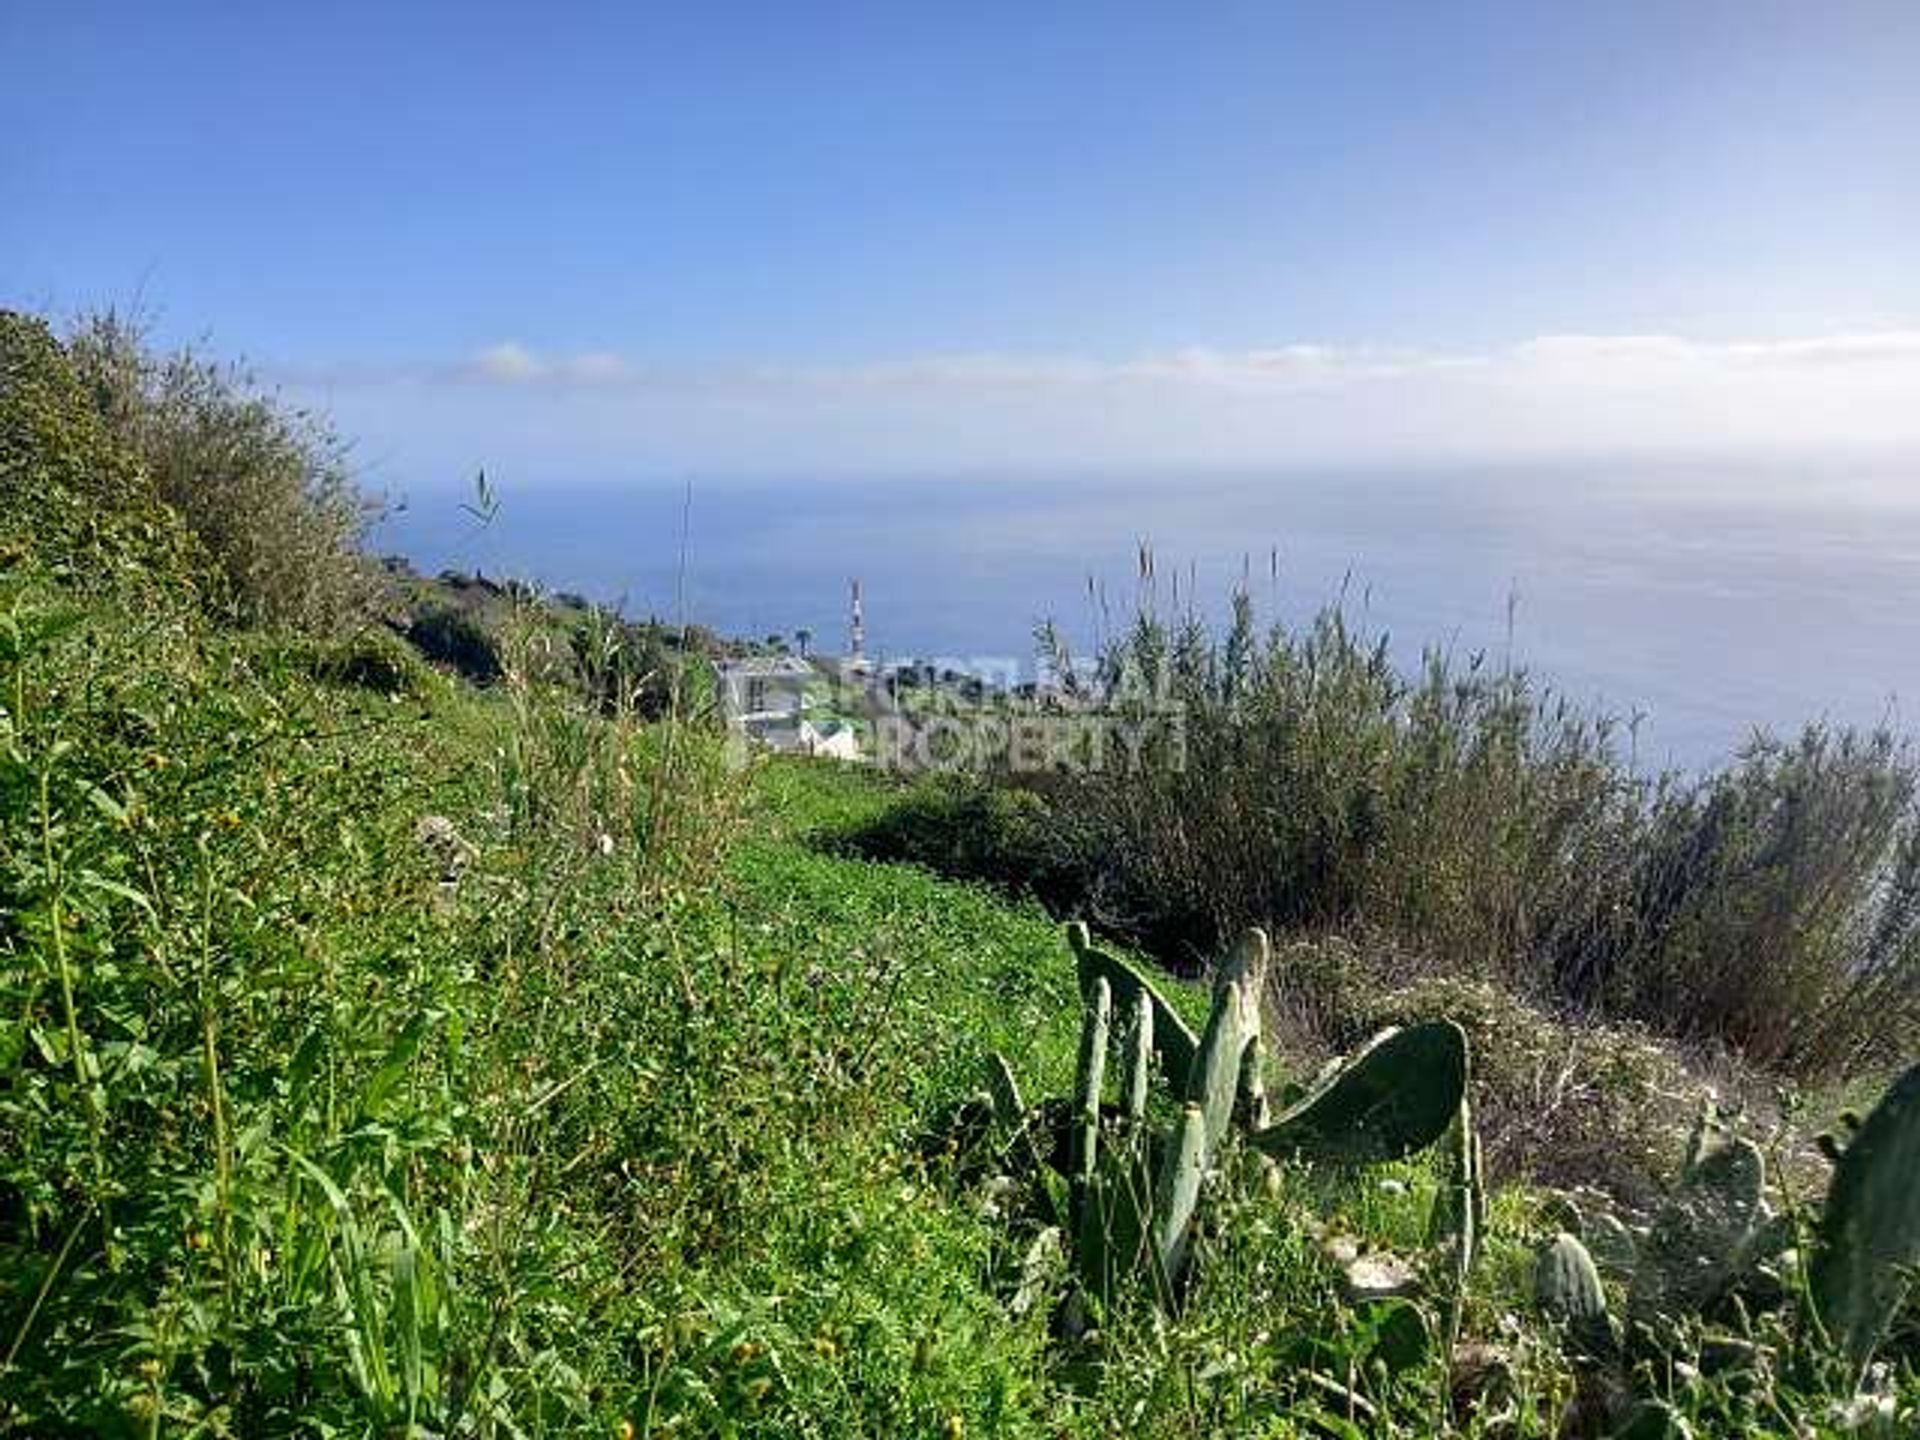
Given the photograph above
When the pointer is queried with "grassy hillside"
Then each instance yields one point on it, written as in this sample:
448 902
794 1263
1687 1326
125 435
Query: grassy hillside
383 1054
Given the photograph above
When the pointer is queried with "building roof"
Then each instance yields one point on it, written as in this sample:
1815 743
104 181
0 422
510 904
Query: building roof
765 667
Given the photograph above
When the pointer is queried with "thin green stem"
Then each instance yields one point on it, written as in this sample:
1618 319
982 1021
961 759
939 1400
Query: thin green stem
210 1055
76 1051
45 1289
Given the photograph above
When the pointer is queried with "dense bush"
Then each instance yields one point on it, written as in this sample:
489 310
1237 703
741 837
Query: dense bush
372 658
456 638
1004 835
73 498
1467 815
264 486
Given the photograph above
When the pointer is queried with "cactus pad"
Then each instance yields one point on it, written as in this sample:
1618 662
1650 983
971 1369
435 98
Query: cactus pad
1214 1078
1870 1230
1176 1197
1567 1288
1089 1077
1396 1095
1137 1055
1008 1108
1173 1040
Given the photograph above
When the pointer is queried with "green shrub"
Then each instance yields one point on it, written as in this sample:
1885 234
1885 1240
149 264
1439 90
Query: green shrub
954 826
73 498
456 638
1468 816
265 487
373 659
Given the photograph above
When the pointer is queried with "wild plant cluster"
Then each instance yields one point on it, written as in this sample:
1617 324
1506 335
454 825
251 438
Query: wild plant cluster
264 486
1468 821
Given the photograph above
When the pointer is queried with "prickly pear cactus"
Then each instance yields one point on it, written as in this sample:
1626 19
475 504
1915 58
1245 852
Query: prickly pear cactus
1693 1251
1250 1110
1458 1218
1173 1041
1394 1096
1703 1139
1138 1057
1567 1288
1869 1235
1213 1081
1176 1197
1090 1075
1133 1198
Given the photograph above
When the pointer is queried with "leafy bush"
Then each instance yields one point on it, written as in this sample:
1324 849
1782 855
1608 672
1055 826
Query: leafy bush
373 658
73 498
456 638
949 825
1777 906
265 487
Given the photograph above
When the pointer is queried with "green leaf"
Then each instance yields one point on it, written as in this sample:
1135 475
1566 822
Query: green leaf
394 1067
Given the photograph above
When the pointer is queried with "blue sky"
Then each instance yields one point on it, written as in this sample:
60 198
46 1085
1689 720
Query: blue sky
726 237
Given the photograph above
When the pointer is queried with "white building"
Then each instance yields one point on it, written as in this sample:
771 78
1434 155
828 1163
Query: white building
767 699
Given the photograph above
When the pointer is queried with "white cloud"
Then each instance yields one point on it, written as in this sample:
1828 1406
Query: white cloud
1553 396
512 363
506 361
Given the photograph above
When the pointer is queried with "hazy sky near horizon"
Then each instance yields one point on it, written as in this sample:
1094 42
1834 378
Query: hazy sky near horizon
620 241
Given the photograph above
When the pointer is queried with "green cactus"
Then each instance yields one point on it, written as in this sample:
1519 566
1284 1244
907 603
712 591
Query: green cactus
1176 1196
1704 1138
1090 1075
1869 1231
1250 1111
1696 1245
1394 1096
1567 1288
1213 1082
1134 1198
1173 1041
1459 1215
1139 1058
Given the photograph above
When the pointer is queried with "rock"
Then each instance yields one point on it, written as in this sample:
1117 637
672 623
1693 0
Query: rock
1378 1276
